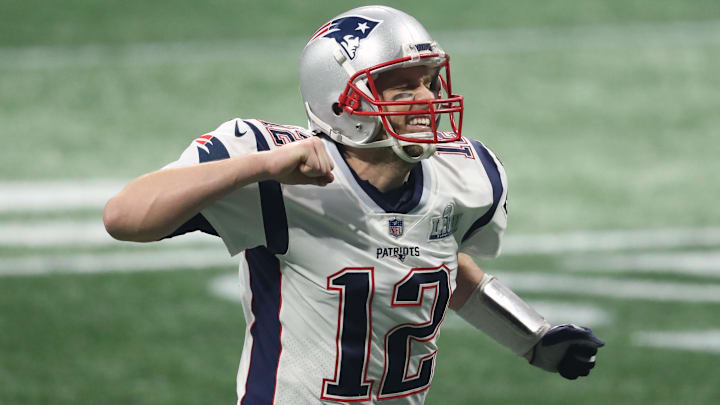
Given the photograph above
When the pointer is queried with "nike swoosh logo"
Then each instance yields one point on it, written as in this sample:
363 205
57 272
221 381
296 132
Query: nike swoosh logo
237 131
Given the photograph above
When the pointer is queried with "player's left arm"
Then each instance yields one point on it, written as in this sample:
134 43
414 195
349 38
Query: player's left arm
486 303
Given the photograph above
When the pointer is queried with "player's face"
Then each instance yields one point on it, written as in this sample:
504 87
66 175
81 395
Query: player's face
413 83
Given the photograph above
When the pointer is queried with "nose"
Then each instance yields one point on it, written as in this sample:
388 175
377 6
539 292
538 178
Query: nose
424 93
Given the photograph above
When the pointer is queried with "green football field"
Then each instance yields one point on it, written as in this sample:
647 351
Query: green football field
606 115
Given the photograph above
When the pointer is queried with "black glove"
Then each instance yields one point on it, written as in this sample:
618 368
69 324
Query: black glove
568 349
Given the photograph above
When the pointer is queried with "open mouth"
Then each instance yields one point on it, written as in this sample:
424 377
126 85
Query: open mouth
418 124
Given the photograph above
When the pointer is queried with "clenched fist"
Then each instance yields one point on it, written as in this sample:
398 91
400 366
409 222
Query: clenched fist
567 349
304 162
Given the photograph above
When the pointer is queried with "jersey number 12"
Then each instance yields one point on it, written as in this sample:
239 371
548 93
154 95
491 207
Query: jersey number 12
356 287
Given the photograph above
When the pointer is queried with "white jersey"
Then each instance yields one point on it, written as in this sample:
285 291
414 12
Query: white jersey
343 300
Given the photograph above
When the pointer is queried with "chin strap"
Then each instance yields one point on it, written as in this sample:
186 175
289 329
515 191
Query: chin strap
397 147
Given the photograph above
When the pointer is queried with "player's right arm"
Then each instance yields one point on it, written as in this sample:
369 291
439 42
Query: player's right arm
156 204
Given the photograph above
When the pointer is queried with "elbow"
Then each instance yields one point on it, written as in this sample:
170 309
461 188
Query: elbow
119 222
122 222
114 220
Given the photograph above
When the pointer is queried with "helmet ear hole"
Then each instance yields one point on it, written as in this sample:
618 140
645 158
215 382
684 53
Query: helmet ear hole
336 109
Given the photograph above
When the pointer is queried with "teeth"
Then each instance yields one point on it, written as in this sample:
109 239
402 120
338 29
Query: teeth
420 121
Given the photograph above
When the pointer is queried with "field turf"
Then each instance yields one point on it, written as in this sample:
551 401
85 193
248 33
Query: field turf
605 114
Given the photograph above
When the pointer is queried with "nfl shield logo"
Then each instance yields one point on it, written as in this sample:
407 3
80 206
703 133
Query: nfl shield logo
396 227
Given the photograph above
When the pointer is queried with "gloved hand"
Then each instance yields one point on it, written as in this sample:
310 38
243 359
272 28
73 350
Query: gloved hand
568 349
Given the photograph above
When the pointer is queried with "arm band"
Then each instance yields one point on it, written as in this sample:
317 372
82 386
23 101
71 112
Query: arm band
496 310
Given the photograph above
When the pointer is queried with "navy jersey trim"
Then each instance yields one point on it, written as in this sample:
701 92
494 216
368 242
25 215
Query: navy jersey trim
401 200
196 223
272 204
493 174
266 329
213 150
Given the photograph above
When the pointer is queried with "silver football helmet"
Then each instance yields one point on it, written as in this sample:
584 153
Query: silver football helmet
337 71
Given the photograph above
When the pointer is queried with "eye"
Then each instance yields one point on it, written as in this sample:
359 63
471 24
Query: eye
402 96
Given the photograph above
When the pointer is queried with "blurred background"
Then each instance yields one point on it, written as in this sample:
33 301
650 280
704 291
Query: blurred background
606 115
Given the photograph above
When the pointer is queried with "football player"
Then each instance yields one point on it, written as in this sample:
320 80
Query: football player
356 233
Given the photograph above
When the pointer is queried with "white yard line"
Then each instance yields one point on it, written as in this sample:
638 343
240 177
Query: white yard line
611 240
226 286
473 41
197 258
50 196
616 288
54 233
558 312
66 233
684 263
697 340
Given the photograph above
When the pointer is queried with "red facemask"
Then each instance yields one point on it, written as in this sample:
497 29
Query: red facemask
451 105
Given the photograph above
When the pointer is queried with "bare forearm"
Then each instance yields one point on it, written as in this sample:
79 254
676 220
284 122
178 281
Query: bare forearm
154 205
469 275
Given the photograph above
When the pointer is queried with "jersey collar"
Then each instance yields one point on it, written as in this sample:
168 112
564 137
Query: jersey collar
413 192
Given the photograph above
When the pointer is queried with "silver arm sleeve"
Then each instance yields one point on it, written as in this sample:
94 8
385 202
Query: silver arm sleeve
496 310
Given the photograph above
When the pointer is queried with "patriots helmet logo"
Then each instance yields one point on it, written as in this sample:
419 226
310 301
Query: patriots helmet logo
347 32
